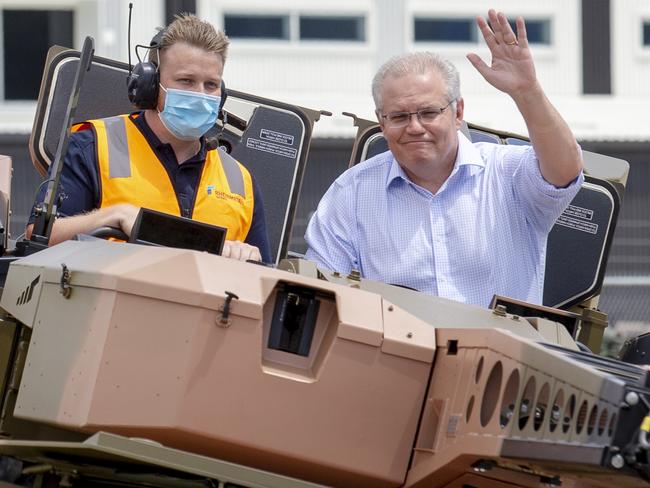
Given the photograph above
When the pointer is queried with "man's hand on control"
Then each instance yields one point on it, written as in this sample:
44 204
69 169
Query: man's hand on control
240 251
123 217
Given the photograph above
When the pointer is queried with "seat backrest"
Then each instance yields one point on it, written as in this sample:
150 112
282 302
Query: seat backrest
270 138
579 243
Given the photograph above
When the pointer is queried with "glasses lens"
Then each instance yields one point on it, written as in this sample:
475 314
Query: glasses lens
427 116
398 119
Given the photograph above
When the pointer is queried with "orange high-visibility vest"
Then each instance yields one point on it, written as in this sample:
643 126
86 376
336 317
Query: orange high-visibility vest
130 172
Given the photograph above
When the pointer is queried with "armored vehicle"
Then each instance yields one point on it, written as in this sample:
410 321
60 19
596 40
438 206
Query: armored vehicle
129 365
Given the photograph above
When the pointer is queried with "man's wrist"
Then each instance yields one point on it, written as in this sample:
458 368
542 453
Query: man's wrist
528 95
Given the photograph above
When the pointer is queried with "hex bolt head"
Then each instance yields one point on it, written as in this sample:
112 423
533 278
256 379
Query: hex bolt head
500 310
617 461
631 398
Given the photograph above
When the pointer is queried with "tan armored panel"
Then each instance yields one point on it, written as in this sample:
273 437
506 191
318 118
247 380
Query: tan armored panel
516 411
392 387
139 349
553 332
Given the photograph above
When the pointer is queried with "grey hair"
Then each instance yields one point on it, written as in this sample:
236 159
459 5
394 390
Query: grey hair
418 63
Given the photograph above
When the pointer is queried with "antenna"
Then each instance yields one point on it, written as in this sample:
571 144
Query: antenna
129 38
46 213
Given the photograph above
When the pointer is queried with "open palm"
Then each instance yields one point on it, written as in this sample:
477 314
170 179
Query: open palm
512 69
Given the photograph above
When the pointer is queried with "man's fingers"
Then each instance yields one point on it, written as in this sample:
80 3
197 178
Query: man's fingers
488 35
506 28
522 37
126 217
225 251
240 251
496 26
235 251
478 63
249 252
255 254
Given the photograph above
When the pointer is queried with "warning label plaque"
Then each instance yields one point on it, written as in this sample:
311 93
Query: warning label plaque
579 212
578 218
279 137
271 147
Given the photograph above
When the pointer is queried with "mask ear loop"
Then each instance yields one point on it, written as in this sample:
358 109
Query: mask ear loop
223 116
214 140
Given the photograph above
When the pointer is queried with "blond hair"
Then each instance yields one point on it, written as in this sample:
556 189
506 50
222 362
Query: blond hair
188 28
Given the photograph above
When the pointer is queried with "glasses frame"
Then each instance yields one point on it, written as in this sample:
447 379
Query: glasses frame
418 113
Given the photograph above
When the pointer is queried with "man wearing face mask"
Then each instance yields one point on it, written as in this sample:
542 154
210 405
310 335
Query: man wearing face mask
157 158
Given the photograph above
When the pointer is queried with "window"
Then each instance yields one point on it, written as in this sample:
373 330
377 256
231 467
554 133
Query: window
538 31
295 27
445 30
27 35
175 7
454 30
646 33
256 26
332 28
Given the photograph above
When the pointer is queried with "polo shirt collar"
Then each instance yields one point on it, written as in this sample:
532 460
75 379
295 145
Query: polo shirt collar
140 121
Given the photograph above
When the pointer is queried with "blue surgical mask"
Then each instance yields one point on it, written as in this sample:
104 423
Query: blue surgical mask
187 114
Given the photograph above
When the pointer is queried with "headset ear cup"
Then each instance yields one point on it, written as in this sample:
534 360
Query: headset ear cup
142 85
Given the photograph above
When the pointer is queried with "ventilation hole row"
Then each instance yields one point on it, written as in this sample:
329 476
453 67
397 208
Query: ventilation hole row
562 412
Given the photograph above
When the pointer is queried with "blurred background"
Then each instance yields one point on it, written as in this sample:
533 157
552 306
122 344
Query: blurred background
592 57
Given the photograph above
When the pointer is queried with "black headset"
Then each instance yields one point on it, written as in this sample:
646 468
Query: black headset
143 81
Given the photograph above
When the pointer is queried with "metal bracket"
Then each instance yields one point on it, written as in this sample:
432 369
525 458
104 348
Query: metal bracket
224 319
64 285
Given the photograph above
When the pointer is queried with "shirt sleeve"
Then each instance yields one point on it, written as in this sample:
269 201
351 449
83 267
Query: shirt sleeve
540 202
257 234
331 231
543 201
78 189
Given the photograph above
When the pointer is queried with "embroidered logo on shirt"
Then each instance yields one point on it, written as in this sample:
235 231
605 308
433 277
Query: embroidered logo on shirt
211 190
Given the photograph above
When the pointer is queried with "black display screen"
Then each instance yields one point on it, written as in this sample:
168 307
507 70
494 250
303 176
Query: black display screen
161 229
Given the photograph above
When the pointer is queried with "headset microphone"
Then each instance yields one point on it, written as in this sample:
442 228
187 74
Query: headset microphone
128 38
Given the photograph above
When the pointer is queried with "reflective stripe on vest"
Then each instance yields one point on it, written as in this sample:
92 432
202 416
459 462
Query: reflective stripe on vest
224 195
233 172
118 150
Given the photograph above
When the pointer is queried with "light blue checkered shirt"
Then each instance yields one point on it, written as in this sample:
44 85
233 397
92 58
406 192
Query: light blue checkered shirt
483 233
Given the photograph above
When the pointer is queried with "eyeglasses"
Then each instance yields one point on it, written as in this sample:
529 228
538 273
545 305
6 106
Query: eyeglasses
396 120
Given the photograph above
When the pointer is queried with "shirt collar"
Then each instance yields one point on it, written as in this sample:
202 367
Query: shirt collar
140 121
467 155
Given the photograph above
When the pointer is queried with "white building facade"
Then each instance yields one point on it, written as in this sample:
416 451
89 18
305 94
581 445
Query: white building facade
323 54
592 57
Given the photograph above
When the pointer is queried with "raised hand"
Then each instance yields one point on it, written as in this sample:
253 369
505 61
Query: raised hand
512 70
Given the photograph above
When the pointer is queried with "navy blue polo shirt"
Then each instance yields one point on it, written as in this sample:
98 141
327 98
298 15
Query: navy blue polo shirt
80 188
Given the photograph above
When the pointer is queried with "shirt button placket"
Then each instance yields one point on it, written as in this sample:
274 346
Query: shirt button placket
184 203
439 248
435 246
